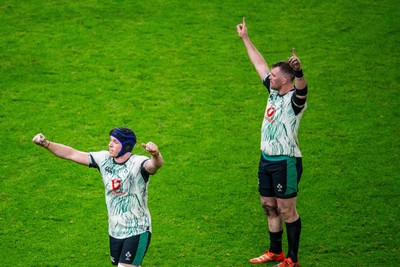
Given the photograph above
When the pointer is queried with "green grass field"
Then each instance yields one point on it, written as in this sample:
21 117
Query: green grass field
176 72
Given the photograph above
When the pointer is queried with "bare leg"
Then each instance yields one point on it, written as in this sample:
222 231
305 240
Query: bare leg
270 207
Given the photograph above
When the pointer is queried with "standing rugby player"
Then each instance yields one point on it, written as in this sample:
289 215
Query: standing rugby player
280 165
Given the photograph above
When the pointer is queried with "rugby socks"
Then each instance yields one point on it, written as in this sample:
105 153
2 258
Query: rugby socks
276 242
293 231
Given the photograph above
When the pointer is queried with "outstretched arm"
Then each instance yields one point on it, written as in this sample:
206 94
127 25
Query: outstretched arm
256 58
156 160
62 151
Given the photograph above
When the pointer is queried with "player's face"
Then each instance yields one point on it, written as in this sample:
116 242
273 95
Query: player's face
114 147
276 79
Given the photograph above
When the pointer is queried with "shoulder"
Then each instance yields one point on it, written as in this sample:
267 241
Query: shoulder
99 155
137 161
96 158
137 166
266 81
137 158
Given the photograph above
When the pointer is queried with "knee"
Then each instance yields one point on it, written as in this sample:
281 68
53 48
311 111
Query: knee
289 215
270 210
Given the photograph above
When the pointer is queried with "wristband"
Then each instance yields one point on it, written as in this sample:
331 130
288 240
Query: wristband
48 144
298 73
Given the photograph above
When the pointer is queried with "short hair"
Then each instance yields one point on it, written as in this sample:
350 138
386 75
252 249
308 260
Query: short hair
285 69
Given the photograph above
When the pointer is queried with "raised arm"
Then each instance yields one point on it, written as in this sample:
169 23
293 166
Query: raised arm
156 160
295 63
62 151
256 58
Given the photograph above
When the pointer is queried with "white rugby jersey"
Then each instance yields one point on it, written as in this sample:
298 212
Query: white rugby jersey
126 188
280 125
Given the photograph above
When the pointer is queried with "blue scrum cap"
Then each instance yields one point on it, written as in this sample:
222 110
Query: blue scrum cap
126 137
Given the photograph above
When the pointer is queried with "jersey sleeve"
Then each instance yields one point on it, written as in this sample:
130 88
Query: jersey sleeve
266 81
144 172
95 158
298 103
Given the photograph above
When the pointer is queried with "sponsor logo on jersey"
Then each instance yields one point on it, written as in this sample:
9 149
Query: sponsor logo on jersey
270 112
116 187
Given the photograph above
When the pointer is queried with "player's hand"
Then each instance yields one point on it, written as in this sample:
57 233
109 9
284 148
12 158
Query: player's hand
242 29
294 61
40 140
151 148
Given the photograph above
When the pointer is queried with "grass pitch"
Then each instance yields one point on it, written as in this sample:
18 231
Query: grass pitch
176 72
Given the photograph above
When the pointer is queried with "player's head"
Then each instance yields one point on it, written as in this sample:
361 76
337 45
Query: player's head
285 70
126 137
282 76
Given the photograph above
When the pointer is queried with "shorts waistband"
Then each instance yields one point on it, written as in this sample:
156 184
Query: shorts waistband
275 158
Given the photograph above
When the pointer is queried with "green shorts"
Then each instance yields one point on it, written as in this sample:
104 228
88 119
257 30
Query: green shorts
129 250
279 176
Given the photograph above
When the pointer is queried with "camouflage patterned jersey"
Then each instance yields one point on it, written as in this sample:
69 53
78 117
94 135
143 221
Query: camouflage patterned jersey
281 124
126 193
